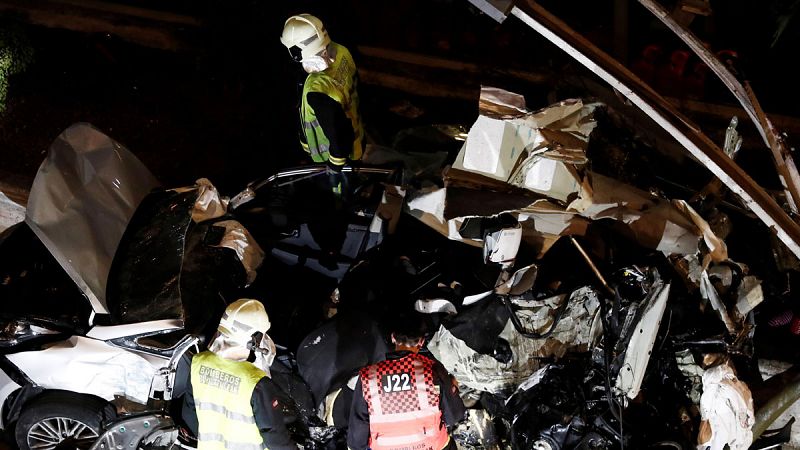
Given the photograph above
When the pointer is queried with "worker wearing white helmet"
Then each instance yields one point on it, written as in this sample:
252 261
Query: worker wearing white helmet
230 402
331 129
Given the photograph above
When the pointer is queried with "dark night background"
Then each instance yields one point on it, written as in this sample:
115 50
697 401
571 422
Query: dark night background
224 108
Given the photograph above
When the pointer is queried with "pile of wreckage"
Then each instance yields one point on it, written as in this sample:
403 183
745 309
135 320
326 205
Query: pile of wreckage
585 288
628 326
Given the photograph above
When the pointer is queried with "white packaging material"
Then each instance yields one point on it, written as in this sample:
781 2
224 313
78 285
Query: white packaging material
726 407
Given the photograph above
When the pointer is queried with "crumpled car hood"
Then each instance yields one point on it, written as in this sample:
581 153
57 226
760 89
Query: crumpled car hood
81 201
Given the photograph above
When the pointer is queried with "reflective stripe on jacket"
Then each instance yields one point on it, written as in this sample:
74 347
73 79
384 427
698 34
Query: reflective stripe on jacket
339 83
222 392
403 405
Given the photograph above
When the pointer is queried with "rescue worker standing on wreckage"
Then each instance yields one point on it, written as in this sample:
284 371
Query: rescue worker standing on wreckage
331 125
407 401
229 403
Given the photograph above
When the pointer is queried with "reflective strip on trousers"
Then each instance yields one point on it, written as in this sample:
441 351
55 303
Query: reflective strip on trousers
238 417
229 445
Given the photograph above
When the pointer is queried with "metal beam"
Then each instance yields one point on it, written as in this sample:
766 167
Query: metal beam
666 116
787 171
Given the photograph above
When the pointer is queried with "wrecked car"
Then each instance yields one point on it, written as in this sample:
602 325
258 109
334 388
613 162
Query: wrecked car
110 275
588 284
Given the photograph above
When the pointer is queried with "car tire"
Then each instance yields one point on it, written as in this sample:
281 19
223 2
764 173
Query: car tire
54 417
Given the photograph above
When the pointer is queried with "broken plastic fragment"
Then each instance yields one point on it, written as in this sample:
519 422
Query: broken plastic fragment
637 354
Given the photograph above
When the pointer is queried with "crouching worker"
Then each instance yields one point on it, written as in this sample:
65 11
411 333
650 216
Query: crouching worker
407 401
230 403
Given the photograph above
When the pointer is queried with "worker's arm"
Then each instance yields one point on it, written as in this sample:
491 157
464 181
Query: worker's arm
183 387
358 426
269 419
337 126
450 403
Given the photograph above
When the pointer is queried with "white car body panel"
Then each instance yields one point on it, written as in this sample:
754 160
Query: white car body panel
132 329
89 366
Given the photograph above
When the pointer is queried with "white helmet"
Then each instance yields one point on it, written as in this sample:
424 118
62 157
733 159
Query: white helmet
304 36
242 319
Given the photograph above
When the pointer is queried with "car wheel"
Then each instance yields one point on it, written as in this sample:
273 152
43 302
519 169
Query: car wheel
61 418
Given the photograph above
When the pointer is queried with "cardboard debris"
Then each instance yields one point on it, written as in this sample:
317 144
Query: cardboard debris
536 151
531 165
727 413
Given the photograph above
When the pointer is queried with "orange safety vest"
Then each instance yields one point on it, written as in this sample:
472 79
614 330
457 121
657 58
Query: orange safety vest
403 405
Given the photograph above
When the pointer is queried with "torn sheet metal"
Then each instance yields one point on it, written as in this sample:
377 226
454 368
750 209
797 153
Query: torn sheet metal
238 239
577 331
81 201
726 408
88 366
640 346
209 204
10 212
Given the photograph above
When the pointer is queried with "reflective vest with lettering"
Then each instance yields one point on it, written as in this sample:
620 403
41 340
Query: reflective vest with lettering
339 82
222 391
403 405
